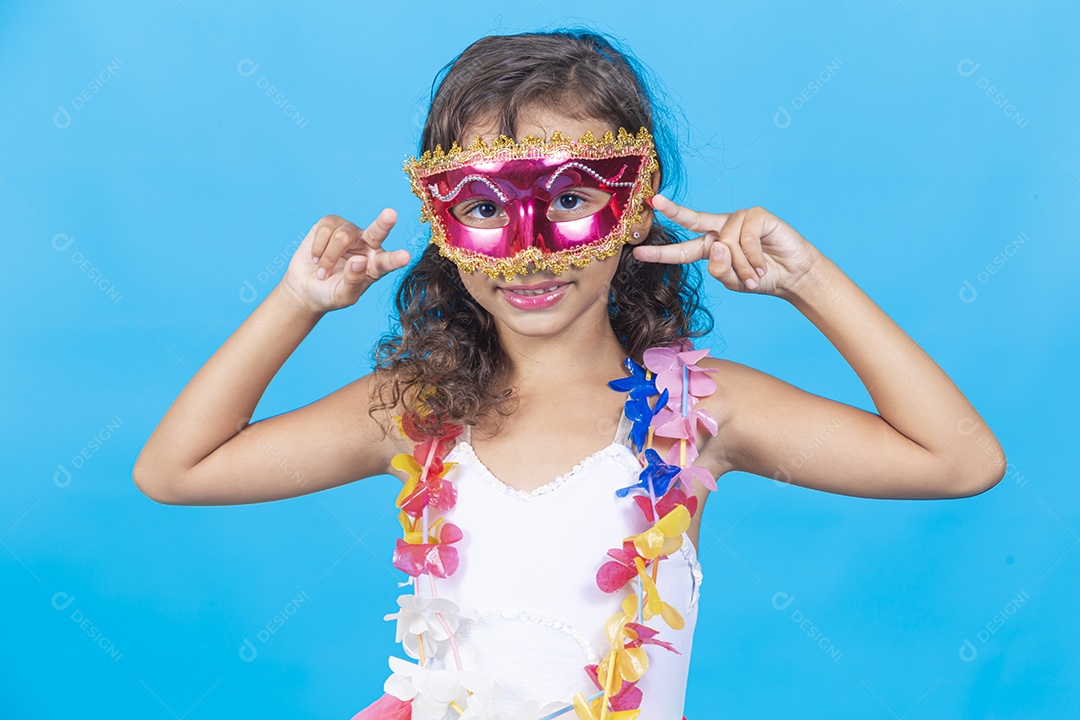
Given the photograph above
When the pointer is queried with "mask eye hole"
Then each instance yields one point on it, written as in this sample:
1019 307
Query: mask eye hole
480 213
575 203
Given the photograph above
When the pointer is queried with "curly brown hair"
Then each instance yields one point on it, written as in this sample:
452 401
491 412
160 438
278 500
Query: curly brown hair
445 352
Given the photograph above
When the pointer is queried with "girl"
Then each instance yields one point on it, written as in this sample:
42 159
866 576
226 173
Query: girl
547 329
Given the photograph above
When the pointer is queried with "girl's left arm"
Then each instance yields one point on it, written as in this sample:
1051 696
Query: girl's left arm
927 440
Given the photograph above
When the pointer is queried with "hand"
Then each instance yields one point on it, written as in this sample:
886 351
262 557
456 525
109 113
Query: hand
748 250
350 257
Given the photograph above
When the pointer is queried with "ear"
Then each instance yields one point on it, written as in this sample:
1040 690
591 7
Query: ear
643 227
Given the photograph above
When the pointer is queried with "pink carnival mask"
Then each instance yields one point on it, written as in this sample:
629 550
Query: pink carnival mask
502 207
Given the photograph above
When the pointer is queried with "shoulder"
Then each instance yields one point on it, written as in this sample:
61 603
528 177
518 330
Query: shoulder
362 409
727 378
732 379
736 387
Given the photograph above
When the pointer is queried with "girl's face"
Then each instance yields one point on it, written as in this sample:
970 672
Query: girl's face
541 303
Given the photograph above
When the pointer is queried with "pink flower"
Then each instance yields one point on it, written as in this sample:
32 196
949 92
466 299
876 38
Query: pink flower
692 474
647 636
666 504
670 423
613 575
436 558
668 363
627 698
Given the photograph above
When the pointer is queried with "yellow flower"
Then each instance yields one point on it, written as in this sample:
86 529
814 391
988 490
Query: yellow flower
586 710
665 537
651 604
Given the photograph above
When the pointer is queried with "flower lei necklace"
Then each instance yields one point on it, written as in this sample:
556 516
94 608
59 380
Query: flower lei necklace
665 496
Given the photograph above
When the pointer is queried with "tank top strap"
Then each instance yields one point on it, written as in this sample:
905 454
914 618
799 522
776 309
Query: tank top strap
622 432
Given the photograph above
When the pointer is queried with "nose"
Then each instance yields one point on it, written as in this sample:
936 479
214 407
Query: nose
526 236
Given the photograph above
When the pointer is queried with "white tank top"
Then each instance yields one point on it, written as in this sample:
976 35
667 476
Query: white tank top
528 563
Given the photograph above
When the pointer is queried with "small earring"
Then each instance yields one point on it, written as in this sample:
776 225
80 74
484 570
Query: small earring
636 235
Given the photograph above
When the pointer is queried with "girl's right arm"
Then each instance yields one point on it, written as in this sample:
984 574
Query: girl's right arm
204 452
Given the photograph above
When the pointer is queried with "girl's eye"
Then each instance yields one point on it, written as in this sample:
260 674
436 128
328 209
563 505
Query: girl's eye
570 201
576 204
483 214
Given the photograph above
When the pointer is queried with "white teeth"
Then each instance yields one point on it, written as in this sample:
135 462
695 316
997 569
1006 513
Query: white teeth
535 292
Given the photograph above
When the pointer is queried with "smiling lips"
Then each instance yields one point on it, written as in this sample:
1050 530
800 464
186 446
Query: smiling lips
538 296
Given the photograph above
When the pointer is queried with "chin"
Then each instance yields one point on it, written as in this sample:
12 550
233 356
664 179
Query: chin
535 327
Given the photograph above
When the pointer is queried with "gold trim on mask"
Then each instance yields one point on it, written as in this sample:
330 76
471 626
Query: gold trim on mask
503 148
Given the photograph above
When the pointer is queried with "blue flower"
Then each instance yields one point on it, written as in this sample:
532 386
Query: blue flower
656 473
638 410
640 414
638 386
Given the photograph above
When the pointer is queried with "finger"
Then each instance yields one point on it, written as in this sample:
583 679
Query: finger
720 266
323 230
341 239
376 232
730 237
356 270
683 252
373 264
690 219
386 262
754 227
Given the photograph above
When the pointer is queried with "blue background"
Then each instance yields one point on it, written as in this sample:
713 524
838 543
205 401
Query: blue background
142 220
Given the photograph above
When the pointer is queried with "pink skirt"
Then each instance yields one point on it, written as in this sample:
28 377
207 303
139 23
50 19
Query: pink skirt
387 707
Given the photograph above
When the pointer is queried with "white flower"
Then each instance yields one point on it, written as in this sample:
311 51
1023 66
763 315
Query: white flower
432 691
479 704
417 621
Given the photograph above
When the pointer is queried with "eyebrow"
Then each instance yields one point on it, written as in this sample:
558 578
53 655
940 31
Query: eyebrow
468 178
613 181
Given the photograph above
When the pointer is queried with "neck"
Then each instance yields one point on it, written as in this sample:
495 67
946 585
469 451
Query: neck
586 353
